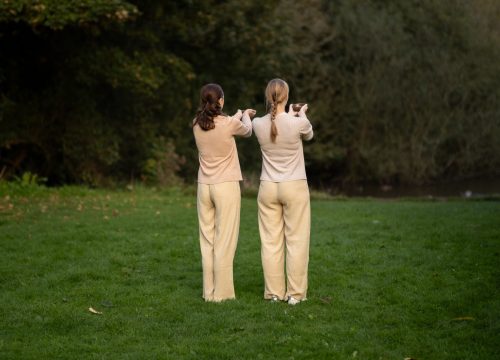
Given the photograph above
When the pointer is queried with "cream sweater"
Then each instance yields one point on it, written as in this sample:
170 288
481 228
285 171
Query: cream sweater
284 159
217 149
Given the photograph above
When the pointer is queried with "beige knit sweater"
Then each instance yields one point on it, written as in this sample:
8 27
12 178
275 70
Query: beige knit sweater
284 159
217 149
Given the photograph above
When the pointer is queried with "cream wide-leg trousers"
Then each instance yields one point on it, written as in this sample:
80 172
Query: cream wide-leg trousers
284 226
219 223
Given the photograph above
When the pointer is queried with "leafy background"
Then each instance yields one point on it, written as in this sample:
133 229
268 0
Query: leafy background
102 92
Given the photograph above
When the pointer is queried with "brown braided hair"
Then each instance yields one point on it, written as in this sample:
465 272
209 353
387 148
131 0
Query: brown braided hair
210 107
276 93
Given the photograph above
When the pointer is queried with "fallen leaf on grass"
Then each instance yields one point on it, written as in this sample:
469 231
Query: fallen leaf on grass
462 318
107 303
94 311
326 300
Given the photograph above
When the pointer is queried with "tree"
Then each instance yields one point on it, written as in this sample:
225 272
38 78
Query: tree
402 92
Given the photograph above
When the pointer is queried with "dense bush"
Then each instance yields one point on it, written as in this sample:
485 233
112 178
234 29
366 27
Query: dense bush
100 91
403 92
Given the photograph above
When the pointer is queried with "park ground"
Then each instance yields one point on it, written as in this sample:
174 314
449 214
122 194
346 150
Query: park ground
407 278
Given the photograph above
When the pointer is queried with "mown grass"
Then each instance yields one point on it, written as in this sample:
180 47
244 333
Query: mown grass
388 280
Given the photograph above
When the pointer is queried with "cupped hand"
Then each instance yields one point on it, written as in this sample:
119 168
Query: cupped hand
238 114
302 111
291 111
250 112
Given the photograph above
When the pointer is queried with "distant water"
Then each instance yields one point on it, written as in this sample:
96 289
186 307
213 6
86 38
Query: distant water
466 188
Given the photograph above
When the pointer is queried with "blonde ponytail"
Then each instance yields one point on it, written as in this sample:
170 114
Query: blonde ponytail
276 93
274 129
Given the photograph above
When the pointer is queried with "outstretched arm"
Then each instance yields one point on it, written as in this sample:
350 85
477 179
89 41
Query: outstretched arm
244 127
306 130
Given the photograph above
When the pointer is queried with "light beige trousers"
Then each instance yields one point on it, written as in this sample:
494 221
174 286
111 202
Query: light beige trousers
219 223
284 226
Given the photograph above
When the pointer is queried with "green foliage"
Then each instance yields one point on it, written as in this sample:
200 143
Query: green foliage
162 168
402 91
29 179
27 184
56 14
399 92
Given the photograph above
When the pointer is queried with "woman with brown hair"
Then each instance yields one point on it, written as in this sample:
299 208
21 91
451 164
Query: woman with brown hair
283 200
219 196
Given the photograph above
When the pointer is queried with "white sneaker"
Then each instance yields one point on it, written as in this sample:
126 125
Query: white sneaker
293 301
275 299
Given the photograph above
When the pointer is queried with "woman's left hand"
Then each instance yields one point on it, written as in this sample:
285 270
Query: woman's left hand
250 112
238 114
291 111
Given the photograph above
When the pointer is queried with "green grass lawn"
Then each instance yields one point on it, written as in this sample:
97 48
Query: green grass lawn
387 280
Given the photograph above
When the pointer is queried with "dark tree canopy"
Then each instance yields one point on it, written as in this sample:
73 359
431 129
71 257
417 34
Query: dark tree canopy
95 91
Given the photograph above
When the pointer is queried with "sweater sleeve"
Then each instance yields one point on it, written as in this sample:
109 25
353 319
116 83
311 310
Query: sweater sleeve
306 130
243 127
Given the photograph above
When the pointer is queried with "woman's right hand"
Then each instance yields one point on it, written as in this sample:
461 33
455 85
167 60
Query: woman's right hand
302 111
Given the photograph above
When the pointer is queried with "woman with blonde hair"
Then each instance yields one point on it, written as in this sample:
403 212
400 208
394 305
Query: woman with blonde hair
283 200
218 196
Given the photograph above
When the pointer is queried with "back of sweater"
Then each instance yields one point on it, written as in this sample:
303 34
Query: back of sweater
283 160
